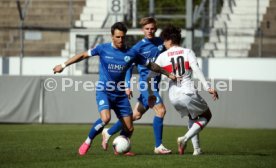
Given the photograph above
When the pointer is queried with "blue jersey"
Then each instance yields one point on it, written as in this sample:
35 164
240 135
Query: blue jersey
113 66
150 49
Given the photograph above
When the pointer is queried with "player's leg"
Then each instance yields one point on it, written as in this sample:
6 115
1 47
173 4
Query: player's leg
128 128
138 111
160 111
127 131
99 124
194 139
197 126
196 145
124 113
104 109
108 132
95 130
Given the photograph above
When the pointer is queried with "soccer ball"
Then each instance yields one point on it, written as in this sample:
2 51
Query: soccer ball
121 144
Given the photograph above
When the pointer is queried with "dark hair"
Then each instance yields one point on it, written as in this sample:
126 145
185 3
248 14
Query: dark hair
171 32
120 26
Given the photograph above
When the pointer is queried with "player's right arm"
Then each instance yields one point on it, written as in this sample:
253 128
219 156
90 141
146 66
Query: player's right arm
59 68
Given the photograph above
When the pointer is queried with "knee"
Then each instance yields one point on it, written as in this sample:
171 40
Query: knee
129 129
106 119
161 112
208 115
137 116
105 116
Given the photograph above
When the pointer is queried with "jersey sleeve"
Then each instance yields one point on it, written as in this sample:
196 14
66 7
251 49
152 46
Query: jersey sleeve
191 57
140 59
200 75
194 65
94 51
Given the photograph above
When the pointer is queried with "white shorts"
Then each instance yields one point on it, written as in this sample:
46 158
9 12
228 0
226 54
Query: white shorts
186 104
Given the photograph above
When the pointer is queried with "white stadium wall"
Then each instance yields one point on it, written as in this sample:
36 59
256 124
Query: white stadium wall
246 101
260 69
254 69
1 72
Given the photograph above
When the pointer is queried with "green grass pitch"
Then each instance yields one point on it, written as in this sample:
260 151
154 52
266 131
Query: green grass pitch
37 146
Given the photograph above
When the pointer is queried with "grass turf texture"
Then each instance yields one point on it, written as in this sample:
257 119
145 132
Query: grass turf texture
51 146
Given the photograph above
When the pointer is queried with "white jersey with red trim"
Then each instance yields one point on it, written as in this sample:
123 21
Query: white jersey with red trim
177 60
183 94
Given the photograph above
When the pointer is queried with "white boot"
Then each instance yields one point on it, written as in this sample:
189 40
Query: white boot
197 152
162 150
105 138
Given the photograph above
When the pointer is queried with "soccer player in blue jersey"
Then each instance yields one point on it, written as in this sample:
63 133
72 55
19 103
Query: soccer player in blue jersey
150 47
115 59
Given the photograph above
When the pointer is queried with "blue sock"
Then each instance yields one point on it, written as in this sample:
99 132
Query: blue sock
158 130
115 128
96 129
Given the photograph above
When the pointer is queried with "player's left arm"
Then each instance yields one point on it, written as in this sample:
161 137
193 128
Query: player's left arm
194 65
201 77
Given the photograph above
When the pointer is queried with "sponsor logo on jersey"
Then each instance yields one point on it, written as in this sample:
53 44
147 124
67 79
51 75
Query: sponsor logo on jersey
127 58
157 99
160 47
101 102
109 57
116 67
145 53
172 53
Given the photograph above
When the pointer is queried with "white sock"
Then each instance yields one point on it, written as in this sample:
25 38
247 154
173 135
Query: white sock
195 138
195 141
196 128
192 131
88 141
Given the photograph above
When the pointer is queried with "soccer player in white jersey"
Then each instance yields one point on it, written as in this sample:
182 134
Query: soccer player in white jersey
183 94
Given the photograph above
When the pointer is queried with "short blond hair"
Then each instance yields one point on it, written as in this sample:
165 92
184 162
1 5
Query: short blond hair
147 20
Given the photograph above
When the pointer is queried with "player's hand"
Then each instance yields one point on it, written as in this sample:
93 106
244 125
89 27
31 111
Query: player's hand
58 69
129 93
151 101
214 93
172 77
